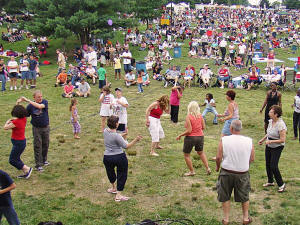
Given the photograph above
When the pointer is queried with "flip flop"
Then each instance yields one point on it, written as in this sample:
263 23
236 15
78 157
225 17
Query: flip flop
122 199
248 221
268 184
111 191
188 174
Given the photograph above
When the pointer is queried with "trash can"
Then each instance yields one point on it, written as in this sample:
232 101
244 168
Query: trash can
140 65
177 52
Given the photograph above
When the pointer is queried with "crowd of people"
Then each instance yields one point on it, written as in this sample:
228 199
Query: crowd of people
240 32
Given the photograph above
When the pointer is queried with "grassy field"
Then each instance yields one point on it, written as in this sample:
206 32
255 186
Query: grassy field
73 188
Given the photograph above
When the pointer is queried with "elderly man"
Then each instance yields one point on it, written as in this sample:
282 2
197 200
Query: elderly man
172 75
205 75
234 156
38 110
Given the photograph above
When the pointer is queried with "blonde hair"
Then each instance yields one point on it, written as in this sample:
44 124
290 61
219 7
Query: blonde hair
194 109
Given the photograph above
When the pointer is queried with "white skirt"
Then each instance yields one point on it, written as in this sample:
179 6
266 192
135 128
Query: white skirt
105 110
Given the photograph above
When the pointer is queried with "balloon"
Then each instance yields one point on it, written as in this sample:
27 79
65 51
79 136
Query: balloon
109 22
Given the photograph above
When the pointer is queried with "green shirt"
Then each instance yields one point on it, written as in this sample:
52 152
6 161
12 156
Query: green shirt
101 73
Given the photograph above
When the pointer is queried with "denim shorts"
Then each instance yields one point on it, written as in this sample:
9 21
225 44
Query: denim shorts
32 75
25 75
13 75
223 78
226 128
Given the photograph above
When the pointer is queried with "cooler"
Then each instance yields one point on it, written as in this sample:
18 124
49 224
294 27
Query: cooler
140 65
177 52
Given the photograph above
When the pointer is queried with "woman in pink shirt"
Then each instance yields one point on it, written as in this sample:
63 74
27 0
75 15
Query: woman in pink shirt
175 96
194 136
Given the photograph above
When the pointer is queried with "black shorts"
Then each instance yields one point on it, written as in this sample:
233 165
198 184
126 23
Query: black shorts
191 141
121 127
102 83
13 75
117 70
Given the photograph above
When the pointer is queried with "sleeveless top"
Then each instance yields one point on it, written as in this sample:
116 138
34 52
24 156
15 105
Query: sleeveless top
196 123
75 114
156 113
272 100
235 114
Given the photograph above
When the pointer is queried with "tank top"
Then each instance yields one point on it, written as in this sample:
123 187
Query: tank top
272 99
196 122
156 113
235 114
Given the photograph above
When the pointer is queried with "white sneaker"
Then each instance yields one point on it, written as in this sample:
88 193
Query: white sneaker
20 87
16 88
11 88
27 87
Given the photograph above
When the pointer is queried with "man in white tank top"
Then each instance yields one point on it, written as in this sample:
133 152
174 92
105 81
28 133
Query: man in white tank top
234 155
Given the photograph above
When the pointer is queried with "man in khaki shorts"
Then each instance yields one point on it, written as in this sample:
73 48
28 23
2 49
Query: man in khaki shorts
235 153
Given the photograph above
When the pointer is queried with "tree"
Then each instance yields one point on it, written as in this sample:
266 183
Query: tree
147 10
292 4
63 18
15 6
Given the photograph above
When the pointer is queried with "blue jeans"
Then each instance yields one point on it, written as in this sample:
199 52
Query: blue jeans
127 68
3 80
140 87
10 215
25 75
16 152
212 110
226 127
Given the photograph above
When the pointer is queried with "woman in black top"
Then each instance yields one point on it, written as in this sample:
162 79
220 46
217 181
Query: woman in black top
273 98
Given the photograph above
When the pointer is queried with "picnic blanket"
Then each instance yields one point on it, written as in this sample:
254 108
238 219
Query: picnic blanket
264 60
293 59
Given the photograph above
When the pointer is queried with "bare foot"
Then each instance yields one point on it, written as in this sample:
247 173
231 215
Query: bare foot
76 137
159 147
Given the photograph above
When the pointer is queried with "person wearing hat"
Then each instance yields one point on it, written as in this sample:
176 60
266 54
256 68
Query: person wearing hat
84 89
205 75
120 105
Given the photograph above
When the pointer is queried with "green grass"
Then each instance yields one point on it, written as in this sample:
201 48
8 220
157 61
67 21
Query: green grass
73 188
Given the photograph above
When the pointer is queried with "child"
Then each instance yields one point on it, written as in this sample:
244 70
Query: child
74 118
18 124
61 78
106 99
176 94
238 62
210 107
140 81
7 208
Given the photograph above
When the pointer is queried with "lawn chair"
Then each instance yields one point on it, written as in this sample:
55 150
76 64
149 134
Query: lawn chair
289 80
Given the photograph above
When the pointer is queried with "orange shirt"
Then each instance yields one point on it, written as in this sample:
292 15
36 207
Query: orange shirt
140 80
62 77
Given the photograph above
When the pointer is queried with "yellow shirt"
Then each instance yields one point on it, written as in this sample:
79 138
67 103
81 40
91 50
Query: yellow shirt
117 63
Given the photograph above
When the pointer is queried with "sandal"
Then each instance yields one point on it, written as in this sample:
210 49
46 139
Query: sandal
224 222
268 184
188 174
247 221
122 199
281 189
112 191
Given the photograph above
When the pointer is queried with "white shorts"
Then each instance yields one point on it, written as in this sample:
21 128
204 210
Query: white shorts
155 129
105 110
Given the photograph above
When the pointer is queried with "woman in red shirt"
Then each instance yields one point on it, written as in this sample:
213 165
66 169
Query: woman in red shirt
153 113
253 78
18 124
194 137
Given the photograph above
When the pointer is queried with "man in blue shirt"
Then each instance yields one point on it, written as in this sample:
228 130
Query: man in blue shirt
32 71
6 205
38 110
